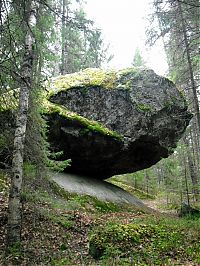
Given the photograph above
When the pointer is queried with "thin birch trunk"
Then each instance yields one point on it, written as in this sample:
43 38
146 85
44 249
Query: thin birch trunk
14 205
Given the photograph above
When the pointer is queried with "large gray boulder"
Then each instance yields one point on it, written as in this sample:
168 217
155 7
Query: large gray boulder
111 122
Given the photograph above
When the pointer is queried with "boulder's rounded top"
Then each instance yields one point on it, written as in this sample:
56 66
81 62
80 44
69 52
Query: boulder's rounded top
109 79
146 90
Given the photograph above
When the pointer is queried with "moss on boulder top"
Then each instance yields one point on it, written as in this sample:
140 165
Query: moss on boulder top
114 122
87 77
109 79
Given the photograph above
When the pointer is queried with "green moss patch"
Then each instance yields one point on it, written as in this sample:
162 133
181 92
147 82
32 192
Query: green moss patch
153 242
92 77
141 107
83 79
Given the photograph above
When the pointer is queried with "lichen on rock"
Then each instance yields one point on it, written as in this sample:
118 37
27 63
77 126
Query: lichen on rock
114 122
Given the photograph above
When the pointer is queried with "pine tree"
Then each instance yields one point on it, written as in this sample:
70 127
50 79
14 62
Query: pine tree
138 61
80 43
178 25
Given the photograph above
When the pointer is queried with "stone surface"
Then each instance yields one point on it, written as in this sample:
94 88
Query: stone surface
100 189
111 122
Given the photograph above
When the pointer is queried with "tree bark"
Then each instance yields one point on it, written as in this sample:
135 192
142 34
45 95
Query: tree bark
192 170
186 180
63 36
14 205
189 61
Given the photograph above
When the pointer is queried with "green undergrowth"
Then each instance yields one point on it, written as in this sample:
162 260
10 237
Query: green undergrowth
59 227
142 240
149 241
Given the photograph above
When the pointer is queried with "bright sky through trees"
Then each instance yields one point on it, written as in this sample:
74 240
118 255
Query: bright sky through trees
123 24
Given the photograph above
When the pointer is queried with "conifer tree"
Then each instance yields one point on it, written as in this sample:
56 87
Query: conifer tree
138 61
178 25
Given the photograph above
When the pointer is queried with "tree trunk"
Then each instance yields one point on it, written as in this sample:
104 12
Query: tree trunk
189 61
147 182
192 171
63 33
194 135
14 205
186 181
194 178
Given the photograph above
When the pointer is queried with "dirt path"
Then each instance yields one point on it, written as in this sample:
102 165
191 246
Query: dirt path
159 205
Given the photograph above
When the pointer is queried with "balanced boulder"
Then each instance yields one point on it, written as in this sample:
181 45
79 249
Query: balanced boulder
114 122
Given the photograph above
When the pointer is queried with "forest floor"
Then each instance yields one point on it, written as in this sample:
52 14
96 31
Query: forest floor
60 228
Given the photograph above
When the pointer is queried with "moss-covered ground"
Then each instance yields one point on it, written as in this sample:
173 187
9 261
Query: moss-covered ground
68 229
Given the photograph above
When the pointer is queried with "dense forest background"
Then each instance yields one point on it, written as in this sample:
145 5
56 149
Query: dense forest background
43 39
